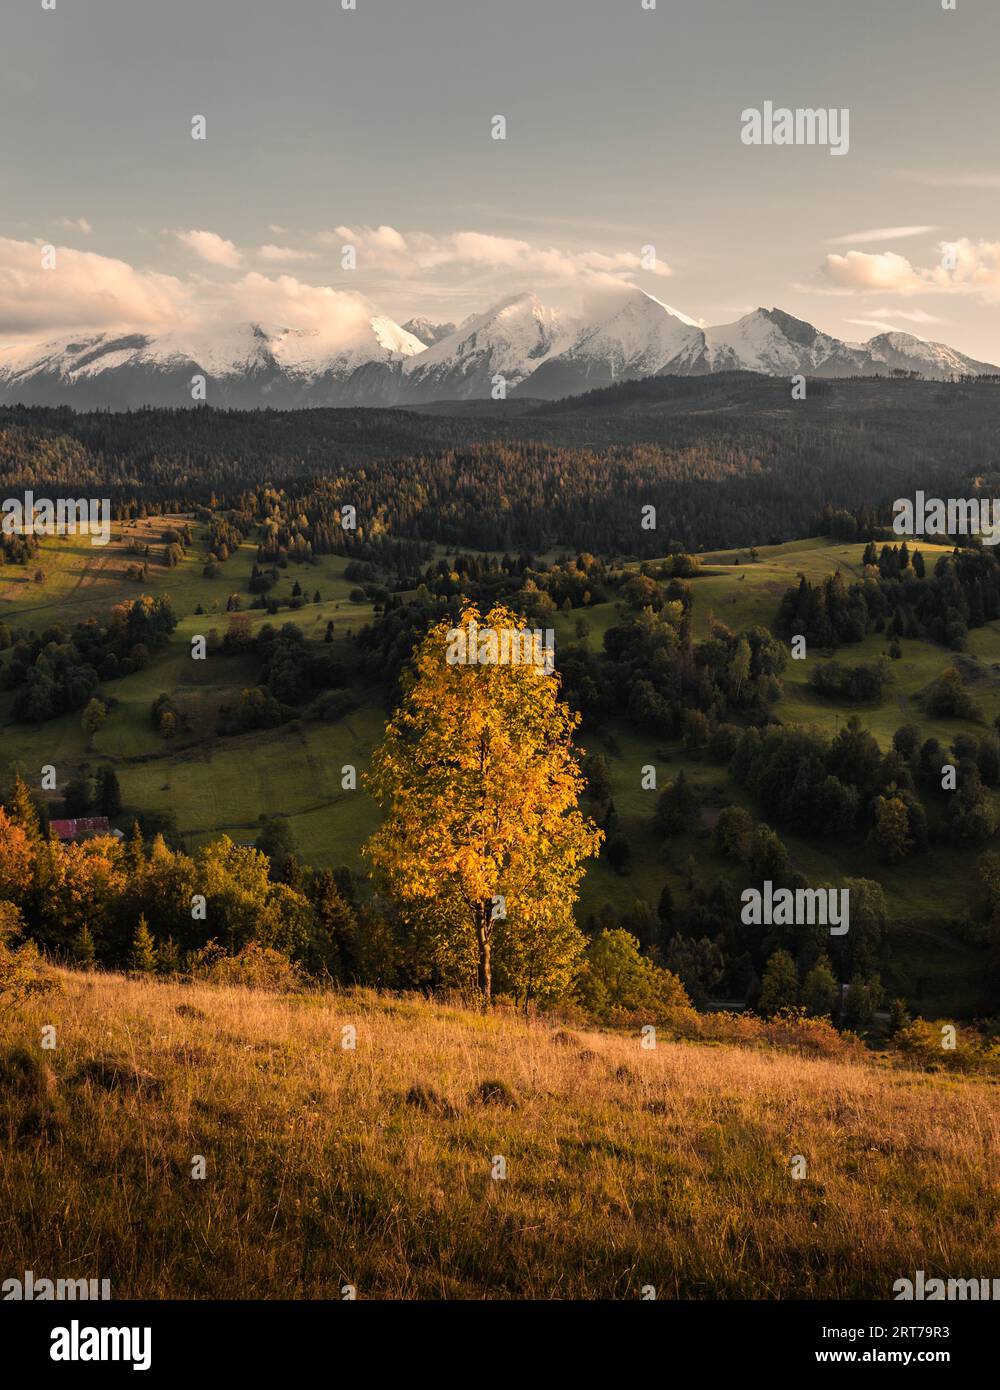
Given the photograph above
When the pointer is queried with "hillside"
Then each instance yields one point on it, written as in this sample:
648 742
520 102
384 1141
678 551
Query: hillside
327 1166
211 784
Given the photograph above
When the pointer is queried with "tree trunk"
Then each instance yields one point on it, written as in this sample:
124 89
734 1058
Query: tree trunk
485 972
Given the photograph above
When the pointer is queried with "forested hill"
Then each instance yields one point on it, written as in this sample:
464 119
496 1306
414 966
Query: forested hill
726 461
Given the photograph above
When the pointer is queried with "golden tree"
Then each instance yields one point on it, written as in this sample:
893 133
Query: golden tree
483 844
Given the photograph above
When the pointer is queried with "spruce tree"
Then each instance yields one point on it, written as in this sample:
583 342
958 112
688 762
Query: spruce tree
143 955
83 948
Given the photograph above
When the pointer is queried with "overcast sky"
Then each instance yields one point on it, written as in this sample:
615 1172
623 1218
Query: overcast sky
374 126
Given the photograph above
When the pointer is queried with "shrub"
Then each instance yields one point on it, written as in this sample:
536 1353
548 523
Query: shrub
22 973
617 981
255 967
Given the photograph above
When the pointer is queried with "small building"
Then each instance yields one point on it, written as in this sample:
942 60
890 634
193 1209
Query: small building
80 829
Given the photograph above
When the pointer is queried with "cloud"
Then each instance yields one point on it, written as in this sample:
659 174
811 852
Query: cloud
418 254
284 253
968 179
406 273
877 234
878 324
336 315
965 267
85 291
212 248
910 315
80 224
82 290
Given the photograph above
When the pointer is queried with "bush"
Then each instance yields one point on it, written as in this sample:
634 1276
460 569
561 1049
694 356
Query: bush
618 981
255 967
22 973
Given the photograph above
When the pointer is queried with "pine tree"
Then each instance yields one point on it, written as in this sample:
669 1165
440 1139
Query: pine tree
168 957
109 794
83 948
135 851
22 810
143 955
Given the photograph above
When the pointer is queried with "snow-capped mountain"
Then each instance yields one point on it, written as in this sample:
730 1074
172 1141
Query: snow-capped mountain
245 364
638 337
536 350
889 351
428 332
774 343
510 340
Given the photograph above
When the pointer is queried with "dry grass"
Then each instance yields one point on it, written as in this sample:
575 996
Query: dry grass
372 1167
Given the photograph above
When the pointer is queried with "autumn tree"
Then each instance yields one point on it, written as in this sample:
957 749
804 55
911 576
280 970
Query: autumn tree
93 718
820 989
22 972
780 985
483 846
23 811
17 859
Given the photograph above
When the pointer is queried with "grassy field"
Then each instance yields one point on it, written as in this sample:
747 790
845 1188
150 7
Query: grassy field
373 1167
210 784
215 784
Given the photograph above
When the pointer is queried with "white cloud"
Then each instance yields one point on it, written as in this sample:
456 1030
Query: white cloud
965 267
82 290
79 224
401 273
337 315
285 254
96 293
877 234
910 315
212 248
878 324
419 254
884 270
969 179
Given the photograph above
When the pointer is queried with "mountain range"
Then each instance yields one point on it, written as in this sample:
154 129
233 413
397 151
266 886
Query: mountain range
536 350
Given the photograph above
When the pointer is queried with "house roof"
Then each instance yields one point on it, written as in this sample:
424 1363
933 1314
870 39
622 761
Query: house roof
82 825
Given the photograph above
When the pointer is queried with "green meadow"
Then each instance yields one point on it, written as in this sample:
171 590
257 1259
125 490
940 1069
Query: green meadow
214 784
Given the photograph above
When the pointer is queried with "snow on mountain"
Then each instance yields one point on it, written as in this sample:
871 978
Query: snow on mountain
247 363
771 342
906 352
538 352
637 336
510 340
427 332
775 343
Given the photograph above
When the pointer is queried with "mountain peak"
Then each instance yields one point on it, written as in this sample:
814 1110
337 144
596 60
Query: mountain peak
369 359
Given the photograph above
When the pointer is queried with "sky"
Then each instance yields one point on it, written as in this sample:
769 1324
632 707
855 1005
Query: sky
623 161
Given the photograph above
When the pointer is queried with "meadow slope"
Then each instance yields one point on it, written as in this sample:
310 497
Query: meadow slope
372 1167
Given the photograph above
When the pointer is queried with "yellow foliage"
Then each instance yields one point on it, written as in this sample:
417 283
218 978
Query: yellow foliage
483 845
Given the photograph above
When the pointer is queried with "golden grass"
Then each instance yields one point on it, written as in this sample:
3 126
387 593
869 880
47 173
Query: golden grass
372 1167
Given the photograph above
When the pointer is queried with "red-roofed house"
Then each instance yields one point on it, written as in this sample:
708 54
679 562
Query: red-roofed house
80 828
